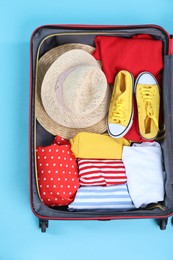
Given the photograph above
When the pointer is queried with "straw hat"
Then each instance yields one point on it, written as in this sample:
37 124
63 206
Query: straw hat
72 92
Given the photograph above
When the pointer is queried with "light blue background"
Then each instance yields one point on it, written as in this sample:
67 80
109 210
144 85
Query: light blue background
20 237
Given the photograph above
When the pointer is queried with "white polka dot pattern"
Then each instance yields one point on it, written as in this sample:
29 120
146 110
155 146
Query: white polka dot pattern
57 173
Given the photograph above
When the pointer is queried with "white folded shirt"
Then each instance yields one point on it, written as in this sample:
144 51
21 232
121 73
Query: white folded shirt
144 170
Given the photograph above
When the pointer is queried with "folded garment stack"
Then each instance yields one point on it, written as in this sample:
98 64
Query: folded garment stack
133 182
102 175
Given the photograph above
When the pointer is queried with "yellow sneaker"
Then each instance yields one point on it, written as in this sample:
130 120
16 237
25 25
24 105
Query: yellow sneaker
120 116
148 105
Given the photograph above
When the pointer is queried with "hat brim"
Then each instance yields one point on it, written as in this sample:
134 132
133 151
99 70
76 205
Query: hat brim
43 118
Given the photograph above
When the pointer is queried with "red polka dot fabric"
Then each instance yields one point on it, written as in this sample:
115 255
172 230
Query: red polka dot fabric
57 173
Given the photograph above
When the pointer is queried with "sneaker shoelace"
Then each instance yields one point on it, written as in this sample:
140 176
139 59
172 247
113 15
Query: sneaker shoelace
147 93
118 111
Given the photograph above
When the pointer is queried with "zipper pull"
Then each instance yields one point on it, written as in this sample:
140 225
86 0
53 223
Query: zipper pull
170 44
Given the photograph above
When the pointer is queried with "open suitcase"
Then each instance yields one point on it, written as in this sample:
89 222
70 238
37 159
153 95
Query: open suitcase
50 37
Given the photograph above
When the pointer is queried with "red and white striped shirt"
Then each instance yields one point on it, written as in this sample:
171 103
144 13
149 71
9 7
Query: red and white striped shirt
101 172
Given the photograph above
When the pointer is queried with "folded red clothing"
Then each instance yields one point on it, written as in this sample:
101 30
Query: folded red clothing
57 173
101 172
137 54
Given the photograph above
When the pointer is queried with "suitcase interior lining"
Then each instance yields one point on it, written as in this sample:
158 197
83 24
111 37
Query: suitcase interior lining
48 38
